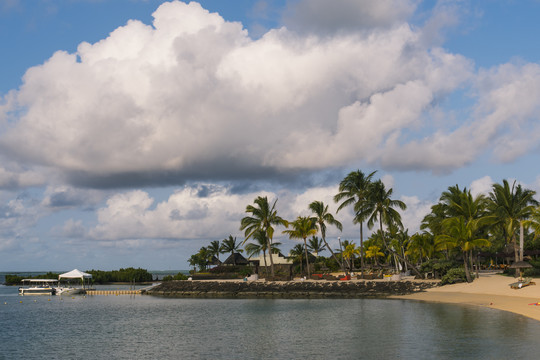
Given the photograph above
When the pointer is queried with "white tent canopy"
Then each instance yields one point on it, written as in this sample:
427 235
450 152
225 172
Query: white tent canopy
75 274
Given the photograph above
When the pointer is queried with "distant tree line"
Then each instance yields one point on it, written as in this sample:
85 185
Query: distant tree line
17 280
122 275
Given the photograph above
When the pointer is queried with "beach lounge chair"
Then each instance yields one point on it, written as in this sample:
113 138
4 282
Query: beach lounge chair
522 283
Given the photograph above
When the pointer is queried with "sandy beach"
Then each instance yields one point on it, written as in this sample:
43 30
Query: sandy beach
489 290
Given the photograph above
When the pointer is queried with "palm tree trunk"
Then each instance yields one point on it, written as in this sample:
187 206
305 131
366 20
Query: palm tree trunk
265 264
467 273
269 246
362 249
471 260
307 259
331 252
521 241
413 268
477 266
516 252
342 257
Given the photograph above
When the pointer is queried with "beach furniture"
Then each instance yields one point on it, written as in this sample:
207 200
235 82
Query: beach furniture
522 283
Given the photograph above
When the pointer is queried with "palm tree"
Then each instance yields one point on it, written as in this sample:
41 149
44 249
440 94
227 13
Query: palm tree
302 227
534 222
230 245
349 254
200 259
261 244
463 235
383 212
315 245
215 248
354 190
263 217
323 217
374 252
297 255
511 206
454 202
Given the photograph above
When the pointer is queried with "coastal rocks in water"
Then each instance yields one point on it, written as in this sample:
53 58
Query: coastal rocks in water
290 289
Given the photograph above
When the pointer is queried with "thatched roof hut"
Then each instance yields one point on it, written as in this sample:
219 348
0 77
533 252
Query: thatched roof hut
235 259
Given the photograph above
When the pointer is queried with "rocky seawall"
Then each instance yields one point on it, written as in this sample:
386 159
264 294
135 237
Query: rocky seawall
289 289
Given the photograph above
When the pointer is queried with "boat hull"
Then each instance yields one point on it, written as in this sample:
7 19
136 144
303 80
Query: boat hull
64 291
36 291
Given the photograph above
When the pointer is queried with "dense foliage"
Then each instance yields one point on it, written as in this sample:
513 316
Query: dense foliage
462 233
178 276
453 276
17 280
122 275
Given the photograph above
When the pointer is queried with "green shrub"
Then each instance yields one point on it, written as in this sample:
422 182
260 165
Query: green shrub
438 267
535 270
453 276
240 269
17 280
178 276
122 275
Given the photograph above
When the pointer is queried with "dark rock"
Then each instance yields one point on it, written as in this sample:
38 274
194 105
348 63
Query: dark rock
291 289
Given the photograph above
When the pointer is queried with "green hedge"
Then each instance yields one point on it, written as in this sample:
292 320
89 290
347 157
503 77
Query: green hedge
122 275
453 276
17 280
178 276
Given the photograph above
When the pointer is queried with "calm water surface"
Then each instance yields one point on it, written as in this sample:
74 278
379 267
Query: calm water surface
145 327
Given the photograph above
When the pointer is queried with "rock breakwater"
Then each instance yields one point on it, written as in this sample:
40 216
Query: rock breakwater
289 289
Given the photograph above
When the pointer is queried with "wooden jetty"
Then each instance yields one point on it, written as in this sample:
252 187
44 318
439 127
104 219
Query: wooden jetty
113 292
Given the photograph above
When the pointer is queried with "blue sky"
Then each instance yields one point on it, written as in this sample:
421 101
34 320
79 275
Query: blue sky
134 132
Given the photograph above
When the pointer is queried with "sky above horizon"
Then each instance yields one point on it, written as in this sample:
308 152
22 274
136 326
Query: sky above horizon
133 132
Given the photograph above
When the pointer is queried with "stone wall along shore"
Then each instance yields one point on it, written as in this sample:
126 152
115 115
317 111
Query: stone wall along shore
289 289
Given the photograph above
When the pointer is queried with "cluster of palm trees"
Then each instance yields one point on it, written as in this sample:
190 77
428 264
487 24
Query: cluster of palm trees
460 223
207 254
457 227
372 204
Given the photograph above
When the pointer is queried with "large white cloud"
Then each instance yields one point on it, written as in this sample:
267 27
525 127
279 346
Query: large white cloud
193 97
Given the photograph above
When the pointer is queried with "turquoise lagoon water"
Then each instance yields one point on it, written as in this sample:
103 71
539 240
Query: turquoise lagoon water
146 327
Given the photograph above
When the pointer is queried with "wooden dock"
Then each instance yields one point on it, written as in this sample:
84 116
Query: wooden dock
113 292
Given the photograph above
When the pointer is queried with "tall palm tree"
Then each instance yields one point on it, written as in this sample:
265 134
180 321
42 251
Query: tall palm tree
215 248
261 244
349 253
323 217
229 245
464 235
511 206
383 212
354 190
455 202
263 217
297 254
302 227
315 245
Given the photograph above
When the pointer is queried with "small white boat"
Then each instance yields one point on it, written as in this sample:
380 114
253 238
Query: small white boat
67 290
38 287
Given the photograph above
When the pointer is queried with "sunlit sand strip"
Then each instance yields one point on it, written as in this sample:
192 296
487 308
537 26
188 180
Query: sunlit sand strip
490 290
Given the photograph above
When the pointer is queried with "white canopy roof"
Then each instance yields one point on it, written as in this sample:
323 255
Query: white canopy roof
75 274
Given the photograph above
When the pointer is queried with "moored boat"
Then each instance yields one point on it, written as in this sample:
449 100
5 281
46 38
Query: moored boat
38 287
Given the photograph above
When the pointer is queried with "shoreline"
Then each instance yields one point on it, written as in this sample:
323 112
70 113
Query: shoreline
490 290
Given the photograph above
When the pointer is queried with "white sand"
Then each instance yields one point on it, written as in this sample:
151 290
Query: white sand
490 290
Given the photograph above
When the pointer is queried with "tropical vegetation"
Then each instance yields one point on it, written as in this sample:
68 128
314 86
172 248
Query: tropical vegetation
461 233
